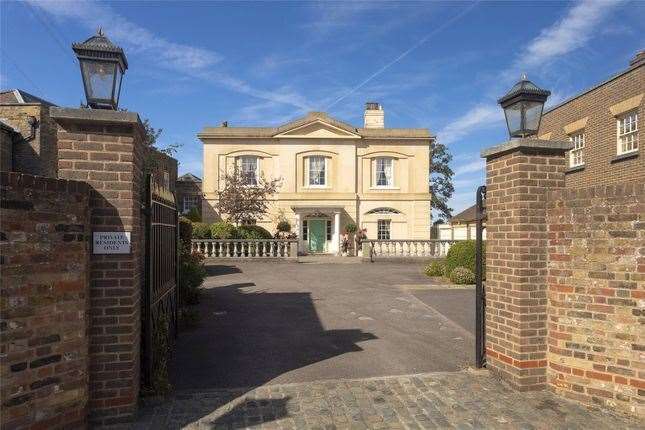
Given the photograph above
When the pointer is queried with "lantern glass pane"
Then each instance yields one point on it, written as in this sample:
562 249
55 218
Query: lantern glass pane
533 114
514 118
117 89
99 79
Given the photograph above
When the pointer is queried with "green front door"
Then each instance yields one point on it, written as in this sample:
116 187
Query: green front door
317 235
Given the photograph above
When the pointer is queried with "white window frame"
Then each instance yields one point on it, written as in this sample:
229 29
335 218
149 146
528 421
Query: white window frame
576 155
627 133
192 200
389 180
325 171
384 228
240 165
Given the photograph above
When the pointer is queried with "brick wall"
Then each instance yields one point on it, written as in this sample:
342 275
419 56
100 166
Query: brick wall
596 307
44 228
517 179
105 149
38 155
600 131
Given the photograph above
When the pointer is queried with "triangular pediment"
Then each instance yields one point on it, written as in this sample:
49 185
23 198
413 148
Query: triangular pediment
317 129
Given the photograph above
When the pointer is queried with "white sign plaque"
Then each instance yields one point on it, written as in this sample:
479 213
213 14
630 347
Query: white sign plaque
111 242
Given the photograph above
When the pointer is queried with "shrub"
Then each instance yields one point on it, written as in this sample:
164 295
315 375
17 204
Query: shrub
194 215
284 226
223 230
185 234
461 275
435 268
191 276
462 254
160 382
351 228
201 230
253 232
444 270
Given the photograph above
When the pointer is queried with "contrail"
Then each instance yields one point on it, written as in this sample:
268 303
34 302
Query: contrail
404 54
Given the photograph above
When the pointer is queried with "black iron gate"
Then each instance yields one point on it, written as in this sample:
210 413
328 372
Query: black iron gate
480 298
160 293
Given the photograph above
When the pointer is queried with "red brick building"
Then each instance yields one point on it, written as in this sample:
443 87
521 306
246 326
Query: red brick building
604 123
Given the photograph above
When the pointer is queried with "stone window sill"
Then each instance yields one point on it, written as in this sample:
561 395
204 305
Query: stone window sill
575 169
626 156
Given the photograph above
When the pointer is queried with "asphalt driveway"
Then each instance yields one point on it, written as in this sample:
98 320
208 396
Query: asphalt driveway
271 323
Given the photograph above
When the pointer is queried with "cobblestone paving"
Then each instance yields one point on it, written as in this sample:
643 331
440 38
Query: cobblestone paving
461 400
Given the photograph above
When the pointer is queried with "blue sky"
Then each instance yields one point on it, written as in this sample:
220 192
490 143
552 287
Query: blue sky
439 65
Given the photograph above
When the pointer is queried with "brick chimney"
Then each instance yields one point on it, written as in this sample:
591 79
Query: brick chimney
638 59
374 115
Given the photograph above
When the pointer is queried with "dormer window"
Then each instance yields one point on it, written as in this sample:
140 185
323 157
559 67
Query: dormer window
384 172
248 167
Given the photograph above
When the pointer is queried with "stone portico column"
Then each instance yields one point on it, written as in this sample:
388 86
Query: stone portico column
518 175
335 243
298 228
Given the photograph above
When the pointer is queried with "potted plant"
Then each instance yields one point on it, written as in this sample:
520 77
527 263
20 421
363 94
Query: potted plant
344 244
350 229
358 238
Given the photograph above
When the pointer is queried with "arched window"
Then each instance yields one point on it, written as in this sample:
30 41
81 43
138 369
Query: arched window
382 211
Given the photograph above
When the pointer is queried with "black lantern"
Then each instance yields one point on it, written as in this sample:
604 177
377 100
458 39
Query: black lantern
102 67
523 106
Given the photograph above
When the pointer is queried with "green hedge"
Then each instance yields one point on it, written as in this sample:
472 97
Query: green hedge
252 232
223 230
185 234
201 230
462 254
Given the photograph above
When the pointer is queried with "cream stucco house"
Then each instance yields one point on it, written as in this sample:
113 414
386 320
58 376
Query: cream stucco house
332 174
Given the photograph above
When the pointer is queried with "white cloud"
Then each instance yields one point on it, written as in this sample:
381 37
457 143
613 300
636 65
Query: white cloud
473 166
571 32
462 200
476 118
193 61
463 183
330 16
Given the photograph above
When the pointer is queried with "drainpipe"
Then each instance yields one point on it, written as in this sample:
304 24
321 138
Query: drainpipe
33 124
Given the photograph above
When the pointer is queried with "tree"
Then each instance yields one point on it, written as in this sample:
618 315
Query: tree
152 135
242 203
441 179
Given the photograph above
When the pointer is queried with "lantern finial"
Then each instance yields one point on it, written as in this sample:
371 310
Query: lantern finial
99 31
524 77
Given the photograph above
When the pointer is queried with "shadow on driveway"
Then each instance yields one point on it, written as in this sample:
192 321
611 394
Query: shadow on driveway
264 324
247 337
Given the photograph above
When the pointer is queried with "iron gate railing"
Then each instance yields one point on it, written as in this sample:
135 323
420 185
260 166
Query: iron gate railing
480 297
161 292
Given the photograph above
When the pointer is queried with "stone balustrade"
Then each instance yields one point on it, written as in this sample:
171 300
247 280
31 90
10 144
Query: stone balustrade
433 248
246 248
